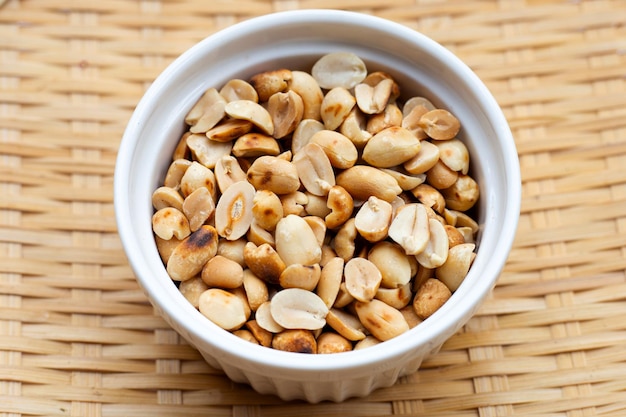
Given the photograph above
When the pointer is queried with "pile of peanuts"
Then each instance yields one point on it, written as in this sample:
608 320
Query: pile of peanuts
314 212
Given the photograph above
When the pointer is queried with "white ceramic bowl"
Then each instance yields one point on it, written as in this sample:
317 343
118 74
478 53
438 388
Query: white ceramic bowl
295 40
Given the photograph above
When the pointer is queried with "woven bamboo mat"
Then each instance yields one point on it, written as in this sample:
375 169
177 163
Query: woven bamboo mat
77 336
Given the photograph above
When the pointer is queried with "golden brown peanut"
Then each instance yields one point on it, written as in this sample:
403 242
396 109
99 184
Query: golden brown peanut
257 235
318 226
436 251
316 206
330 280
293 203
430 297
462 195
296 242
165 247
454 154
381 320
440 124
240 293
440 176
456 266
233 214
181 150
222 272
198 208
263 337
196 176
410 228
206 151
344 298
175 173
227 172
254 144
295 340
354 127
267 209
427 156
455 237
410 316
164 197
295 308
170 222
336 106
223 308
188 258
192 289
314 169
305 277
373 219
339 69
269 83
395 297
367 342
207 112
363 181
341 205
255 288
305 129
362 279
406 180
286 110
392 262
329 342
343 243
345 324
237 89
264 262
430 197
340 150
307 87
413 102
328 253
375 77
246 335
390 147
467 233
265 320
229 130
274 174
411 118
253 112
390 117
373 99
232 249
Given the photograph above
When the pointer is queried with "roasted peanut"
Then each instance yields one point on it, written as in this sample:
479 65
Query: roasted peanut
295 308
267 209
363 181
222 308
207 112
410 228
331 276
390 117
198 208
255 288
255 144
345 324
340 150
462 195
295 340
436 251
264 262
454 154
362 279
237 89
170 222
336 106
222 272
395 297
303 132
265 320
373 99
274 174
341 205
380 319
192 289
189 257
229 130
392 262
309 90
296 242
300 276
286 111
269 83
430 297
391 147
373 219
354 127
164 197
314 169
329 342
456 266
440 124
233 214
339 69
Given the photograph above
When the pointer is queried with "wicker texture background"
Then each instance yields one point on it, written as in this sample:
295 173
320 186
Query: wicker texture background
77 337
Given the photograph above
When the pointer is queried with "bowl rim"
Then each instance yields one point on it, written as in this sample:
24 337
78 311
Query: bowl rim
446 320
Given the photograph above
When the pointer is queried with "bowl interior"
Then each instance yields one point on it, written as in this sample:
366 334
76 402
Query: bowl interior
295 40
